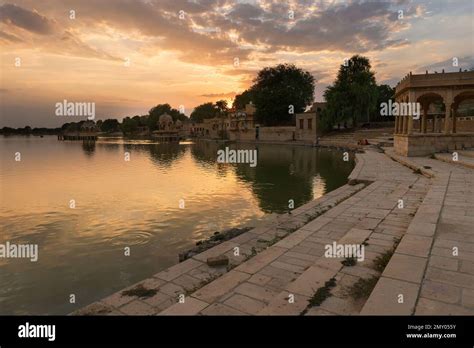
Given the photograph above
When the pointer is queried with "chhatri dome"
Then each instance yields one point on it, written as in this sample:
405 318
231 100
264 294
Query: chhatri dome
89 126
165 118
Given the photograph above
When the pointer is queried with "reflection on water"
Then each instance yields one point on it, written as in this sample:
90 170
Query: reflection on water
133 204
88 146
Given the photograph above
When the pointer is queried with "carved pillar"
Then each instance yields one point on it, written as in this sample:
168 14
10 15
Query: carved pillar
454 115
448 105
424 118
410 124
411 99
447 117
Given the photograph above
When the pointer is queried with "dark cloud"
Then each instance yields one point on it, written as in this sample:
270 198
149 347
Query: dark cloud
245 12
204 35
25 19
346 27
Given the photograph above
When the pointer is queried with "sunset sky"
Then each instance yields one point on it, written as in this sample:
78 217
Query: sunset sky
184 52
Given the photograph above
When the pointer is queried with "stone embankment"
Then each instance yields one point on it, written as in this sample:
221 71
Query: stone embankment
412 215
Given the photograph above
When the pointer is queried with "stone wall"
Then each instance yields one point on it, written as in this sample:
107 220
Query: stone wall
305 134
277 133
265 134
462 125
465 125
427 144
242 135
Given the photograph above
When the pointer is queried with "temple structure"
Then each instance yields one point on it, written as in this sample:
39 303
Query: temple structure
87 131
434 132
168 131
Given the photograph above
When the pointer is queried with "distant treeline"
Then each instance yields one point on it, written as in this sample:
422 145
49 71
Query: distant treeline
111 125
29 131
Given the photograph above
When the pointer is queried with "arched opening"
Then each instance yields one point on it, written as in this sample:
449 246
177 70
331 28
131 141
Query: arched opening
433 109
463 112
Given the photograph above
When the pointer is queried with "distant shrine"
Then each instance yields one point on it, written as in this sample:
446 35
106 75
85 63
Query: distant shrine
87 131
168 131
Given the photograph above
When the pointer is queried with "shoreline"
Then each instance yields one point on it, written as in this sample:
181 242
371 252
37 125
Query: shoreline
251 243
364 212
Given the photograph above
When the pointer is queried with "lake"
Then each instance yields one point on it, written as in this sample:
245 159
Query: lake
83 203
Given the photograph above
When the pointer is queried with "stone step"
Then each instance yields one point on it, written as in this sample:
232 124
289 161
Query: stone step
201 283
260 285
462 159
397 290
468 153
324 269
304 287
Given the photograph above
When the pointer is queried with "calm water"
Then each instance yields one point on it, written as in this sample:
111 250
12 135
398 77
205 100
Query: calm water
134 204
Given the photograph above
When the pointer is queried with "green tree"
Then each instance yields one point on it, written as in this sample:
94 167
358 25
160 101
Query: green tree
204 111
384 94
71 127
222 109
281 91
110 125
155 113
129 125
243 99
354 93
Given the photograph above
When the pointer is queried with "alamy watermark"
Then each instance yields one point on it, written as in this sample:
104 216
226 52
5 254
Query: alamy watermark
400 109
37 331
22 251
66 108
335 250
237 156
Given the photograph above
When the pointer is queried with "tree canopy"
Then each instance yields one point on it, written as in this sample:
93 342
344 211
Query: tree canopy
384 94
243 99
156 111
209 110
110 125
281 91
130 125
353 95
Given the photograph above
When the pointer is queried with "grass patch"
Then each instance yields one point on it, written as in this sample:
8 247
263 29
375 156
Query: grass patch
381 261
140 291
272 241
322 293
349 261
363 287
417 171
253 252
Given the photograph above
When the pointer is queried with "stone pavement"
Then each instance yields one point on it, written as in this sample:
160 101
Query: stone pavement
420 216
443 236
192 274
463 158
